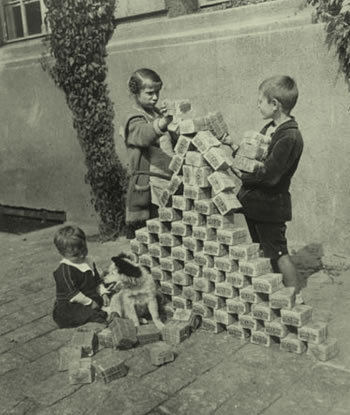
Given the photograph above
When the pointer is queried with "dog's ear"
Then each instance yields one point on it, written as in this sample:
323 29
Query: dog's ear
124 266
121 256
115 259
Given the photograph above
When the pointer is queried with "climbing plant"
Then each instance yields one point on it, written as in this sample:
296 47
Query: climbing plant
336 15
75 57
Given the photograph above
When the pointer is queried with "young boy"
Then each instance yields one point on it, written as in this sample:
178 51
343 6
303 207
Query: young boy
80 292
264 194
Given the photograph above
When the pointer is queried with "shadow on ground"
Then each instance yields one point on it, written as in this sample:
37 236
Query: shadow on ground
308 260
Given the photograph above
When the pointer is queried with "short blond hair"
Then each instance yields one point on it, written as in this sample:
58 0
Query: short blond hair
283 88
70 240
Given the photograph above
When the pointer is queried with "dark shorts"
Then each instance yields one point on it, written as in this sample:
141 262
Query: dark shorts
67 315
271 237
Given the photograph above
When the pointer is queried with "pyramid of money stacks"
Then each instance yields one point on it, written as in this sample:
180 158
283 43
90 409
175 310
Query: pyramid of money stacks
202 261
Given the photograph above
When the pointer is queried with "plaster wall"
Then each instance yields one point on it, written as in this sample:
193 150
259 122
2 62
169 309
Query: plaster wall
217 60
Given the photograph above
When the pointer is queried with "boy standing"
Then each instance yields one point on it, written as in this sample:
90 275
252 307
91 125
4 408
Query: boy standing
264 194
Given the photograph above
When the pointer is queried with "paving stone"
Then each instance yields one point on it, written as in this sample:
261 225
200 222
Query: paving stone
197 359
40 309
52 389
49 321
7 309
25 407
316 392
9 324
37 347
261 357
140 364
61 335
11 392
6 344
10 361
25 316
169 378
245 403
83 401
36 298
204 395
264 381
30 331
36 371
7 296
342 406
135 400
224 343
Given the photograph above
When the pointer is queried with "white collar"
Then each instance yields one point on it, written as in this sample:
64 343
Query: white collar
83 267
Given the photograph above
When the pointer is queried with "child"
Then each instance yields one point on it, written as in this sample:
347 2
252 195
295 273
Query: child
80 293
150 149
264 194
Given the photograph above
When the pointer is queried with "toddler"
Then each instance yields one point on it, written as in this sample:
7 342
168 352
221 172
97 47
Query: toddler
80 293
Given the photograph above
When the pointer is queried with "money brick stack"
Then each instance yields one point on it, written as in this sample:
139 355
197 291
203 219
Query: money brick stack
203 262
252 151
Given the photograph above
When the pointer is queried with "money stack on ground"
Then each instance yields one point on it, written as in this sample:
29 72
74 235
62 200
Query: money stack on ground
80 357
203 262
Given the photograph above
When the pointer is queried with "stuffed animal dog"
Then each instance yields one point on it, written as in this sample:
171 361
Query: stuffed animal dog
137 291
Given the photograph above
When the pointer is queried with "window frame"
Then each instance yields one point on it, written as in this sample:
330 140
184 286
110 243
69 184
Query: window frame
26 36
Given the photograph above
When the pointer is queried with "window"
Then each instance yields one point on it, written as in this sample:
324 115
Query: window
22 19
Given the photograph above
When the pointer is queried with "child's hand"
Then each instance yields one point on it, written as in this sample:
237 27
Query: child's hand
94 305
118 286
163 109
164 122
106 300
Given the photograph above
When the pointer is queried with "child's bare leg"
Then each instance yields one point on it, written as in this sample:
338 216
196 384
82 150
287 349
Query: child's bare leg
290 274
153 309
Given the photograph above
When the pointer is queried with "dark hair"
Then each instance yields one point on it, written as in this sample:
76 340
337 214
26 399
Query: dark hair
142 78
282 88
124 266
70 240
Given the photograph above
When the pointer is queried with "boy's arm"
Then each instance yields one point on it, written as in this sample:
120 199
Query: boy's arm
67 286
140 133
275 165
81 298
166 145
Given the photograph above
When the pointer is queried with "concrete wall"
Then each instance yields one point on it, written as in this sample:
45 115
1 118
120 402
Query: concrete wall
217 60
41 162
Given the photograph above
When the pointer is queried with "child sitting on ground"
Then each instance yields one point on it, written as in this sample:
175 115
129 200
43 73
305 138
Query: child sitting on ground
80 292
264 194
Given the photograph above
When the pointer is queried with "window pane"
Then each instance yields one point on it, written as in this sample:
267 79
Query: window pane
13 22
34 20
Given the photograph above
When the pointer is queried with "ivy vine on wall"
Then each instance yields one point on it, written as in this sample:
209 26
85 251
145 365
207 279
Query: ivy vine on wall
75 57
336 15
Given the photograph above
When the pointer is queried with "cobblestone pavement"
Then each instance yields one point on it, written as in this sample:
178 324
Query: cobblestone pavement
212 374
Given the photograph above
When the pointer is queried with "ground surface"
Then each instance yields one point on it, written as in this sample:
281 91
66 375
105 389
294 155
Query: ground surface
212 374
